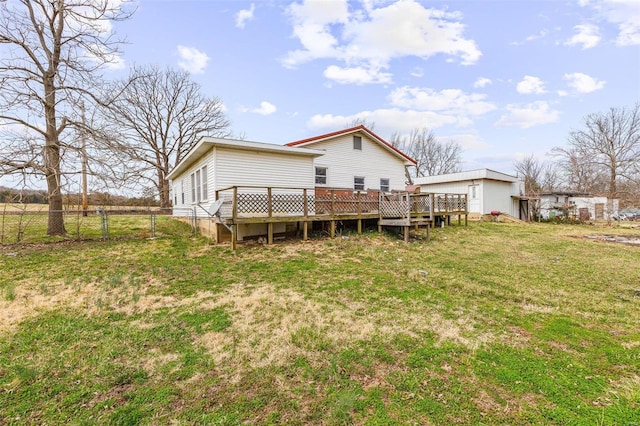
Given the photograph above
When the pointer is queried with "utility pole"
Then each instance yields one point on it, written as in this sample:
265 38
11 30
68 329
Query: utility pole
83 136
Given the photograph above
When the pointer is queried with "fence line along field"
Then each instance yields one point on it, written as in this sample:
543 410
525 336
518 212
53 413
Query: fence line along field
27 223
493 323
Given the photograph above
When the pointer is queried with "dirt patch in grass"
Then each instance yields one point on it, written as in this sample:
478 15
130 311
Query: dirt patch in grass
91 298
273 326
632 240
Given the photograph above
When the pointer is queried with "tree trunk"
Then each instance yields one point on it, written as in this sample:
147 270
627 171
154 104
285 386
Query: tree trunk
52 158
165 199
55 225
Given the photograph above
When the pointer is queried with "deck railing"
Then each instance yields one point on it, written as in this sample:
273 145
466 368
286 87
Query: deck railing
267 202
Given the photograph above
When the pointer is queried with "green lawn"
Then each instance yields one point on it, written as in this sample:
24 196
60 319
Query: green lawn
493 323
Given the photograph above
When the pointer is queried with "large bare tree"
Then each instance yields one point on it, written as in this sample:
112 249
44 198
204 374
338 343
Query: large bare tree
609 144
432 157
162 114
52 51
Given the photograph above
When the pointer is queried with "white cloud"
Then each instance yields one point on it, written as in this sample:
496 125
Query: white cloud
529 115
111 59
587 35
450 101
623 13
417 72
245 15
531 85
387 121
362 40
192 59
482 82
266 108
356 75
583 83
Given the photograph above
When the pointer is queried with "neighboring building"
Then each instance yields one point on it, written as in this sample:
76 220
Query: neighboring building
576 205
356 159
487 191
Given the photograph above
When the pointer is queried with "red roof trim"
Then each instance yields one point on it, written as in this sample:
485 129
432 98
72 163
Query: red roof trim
352 130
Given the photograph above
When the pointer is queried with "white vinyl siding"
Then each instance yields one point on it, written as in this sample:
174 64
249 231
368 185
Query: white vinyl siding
373 162
253 168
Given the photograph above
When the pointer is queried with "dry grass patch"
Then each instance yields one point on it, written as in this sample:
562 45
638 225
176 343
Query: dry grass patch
271 327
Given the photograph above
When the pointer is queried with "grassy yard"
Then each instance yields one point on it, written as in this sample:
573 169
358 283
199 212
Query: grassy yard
493 323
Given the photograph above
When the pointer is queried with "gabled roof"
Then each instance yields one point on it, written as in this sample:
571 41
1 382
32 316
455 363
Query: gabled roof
468 175
358 129
205 143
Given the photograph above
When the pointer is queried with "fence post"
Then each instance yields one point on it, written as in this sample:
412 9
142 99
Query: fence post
152 218
104 221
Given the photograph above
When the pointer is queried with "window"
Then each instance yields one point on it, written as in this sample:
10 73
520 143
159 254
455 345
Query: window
474 194
357 143
321 175
198 187
358 183
384 185
182 190
193 188
205 186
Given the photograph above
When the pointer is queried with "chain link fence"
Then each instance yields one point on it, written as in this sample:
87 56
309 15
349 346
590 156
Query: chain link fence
29 224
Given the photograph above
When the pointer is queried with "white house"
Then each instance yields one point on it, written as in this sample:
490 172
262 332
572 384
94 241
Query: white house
350 160
215 164
356 159
576 205
487 190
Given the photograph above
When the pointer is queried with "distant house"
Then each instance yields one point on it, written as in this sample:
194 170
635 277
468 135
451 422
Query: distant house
349 161
356 159
487 191
576 205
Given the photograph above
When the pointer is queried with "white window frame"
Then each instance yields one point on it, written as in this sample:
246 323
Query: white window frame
358 186
385 187
205 184
357 143
193 188
325 176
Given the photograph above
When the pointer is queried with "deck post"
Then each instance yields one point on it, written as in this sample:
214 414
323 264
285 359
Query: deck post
333 198
466 208
332 228
234 236
269 203
305 213
234 209
270 233
305 228
359 226
406 234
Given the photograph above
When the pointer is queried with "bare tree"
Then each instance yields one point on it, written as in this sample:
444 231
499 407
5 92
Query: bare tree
610 143
53 52
538 175
432 157
162 114
580 172
371 125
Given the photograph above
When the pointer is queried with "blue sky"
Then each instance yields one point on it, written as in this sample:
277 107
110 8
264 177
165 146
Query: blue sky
502 78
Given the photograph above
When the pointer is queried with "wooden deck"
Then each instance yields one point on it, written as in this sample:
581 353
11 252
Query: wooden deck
271 205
